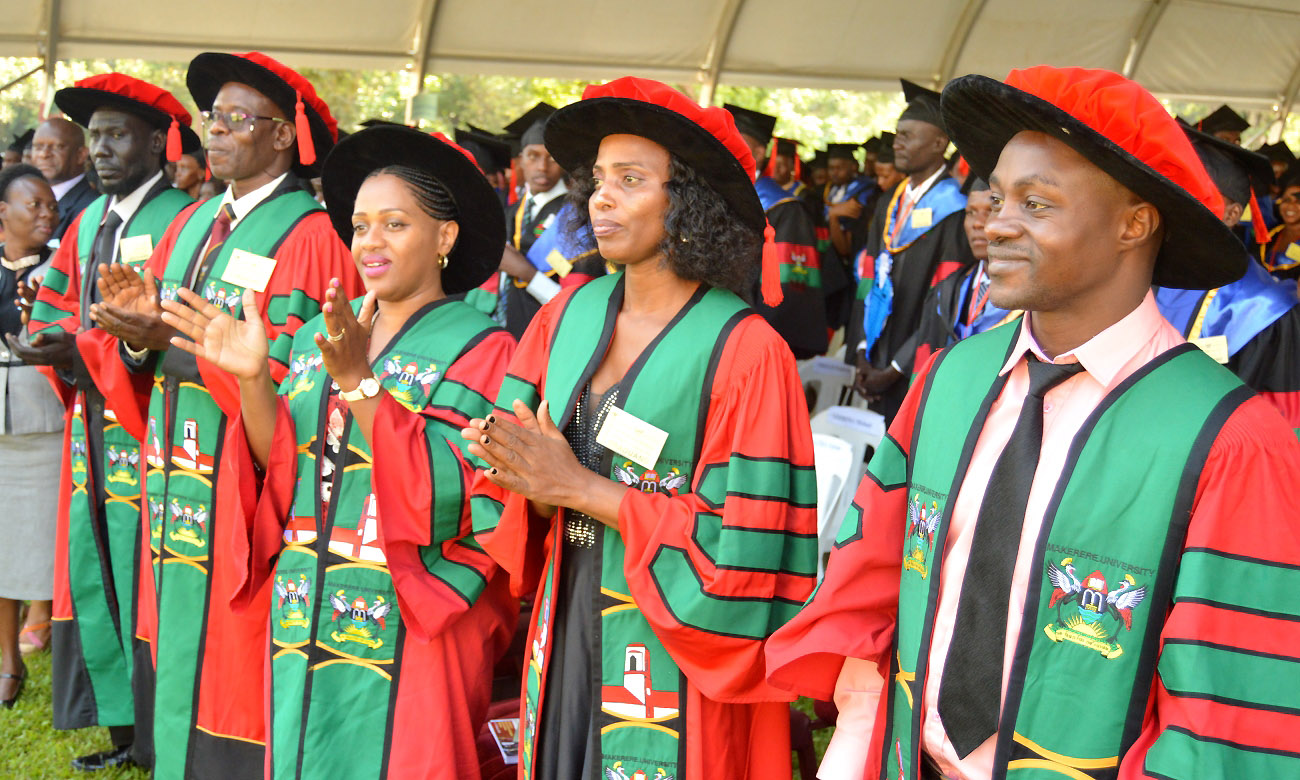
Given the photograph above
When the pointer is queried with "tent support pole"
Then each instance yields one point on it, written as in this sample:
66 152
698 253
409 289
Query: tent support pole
421 58
23 77
717 52
1138 43
49 49
957 43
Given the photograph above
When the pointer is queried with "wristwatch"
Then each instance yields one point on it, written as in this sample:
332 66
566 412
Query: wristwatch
369 388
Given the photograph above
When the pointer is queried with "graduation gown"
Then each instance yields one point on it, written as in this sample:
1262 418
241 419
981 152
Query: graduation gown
386 617
716 548
1223 635
800 319
208 719
521 307
945 318
98 533
837 267
923 255
1252 326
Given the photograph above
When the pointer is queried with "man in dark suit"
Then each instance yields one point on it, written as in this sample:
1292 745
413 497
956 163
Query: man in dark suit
59 152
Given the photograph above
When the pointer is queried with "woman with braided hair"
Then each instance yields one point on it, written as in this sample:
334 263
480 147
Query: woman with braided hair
351 485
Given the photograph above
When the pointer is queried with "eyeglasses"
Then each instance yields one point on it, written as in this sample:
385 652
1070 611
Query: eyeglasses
235 121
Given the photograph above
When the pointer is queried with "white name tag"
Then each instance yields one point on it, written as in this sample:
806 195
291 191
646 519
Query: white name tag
922 218
135 249
248 270
559 263
1214 346
633 438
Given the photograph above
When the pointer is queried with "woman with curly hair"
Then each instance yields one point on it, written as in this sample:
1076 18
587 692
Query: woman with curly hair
650 465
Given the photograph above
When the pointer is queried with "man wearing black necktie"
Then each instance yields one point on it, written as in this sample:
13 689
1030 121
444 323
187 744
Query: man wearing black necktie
1070 555
93 635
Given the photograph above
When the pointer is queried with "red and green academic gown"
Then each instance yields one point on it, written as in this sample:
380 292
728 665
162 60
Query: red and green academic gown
1192 676
717 546
386 617
801 316
96 560
208 716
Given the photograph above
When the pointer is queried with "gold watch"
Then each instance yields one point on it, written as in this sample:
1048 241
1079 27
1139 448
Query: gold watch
369 388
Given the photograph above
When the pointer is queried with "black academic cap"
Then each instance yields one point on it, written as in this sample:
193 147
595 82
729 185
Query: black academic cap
1291 178
1222 118
922 104
23 140
754 124
529 127
377 122
872 145
973 183
1278 152
491 153
818 159
886 152
787 147
1235 171
841 151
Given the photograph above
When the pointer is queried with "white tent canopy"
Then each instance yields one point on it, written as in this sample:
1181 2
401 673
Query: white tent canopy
1245 52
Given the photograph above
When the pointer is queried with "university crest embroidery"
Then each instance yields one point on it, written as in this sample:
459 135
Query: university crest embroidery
616 772
650 481
355 620
122 465
77 450
1099 613
294 599
922 522
798 267
299 368
187 519
407 375
636 698
221 297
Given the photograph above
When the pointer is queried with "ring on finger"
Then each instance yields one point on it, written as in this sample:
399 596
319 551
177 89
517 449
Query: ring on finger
333 336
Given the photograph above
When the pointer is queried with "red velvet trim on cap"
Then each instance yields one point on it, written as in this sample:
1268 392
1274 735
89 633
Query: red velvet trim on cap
141 92
1127 115
718 122
307 93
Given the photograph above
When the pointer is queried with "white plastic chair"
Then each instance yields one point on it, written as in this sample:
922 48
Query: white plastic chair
827 377
833 459
863 429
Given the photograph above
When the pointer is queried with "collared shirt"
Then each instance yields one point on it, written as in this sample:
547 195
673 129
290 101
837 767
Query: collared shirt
911 194
62 187
245 203
127 207
1108 359
542 198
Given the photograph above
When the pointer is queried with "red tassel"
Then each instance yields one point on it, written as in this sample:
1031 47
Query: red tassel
174 142
1257 221
798 166
207 168
513 196
772 294
771 160
306 147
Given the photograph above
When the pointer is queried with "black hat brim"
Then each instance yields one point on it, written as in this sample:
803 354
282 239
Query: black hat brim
209 71
482 221
1199 252
574 133
80 103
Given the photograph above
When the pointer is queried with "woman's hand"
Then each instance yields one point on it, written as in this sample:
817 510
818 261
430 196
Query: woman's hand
345 344
27 297
237 346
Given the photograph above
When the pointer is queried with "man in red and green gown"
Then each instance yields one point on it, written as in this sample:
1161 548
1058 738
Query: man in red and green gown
267 130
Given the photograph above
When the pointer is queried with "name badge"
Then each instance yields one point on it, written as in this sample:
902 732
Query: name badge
633 438
135 249
248 270
559 263
1214 346
922 218
1293 252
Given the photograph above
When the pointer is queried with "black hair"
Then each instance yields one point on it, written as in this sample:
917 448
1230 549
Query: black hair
434 198
13 173
704 240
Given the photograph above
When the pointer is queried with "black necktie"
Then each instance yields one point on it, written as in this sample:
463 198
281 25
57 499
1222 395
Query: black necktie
970 692
221 227
100 252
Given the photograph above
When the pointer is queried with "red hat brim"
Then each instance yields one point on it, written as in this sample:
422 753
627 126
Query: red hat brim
209 71
574 133
1199 252
80 103
482 221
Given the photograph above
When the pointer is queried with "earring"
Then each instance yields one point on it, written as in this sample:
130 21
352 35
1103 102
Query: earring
442 261
685 239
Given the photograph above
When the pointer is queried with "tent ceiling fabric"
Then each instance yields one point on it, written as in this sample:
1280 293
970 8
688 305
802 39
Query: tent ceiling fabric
1239 50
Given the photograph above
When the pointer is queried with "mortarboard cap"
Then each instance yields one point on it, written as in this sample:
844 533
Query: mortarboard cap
886 152
377 122
1236 171
922 104
1221 119
529 127
754 124
23 140
818 159
841 151
786 147
491 153
1278 152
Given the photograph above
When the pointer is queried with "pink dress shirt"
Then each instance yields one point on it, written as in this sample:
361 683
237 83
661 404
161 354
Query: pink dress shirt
1108 359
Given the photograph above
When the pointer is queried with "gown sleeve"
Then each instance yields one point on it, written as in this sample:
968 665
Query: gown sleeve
421 480
1223 703
716 570
1270 364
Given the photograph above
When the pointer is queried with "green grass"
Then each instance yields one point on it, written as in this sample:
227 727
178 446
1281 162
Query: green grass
821 737
31 749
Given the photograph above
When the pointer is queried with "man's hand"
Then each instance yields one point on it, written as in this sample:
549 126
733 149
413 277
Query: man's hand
849 209
54 348
516 265
129 308
872 382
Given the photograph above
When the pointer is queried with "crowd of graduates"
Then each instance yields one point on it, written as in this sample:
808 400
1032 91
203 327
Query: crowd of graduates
388 454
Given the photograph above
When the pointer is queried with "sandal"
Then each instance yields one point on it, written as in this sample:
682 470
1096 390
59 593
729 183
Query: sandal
30 641
18 689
